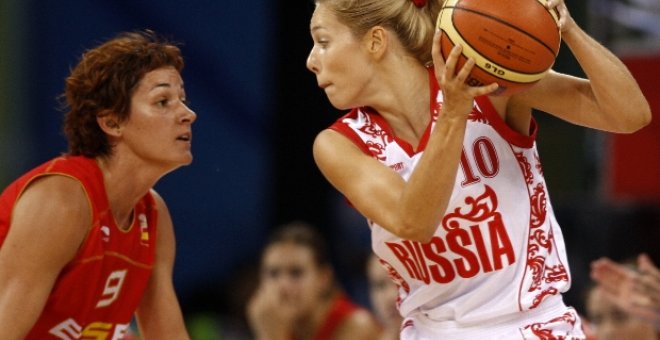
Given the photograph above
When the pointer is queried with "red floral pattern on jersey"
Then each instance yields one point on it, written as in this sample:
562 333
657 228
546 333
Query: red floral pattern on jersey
525 167
556 273
377 150
539 208
539 297
542 259
559 328
481 208
378 139
477 116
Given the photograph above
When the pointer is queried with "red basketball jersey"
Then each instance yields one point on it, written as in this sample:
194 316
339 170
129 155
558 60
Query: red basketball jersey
96 294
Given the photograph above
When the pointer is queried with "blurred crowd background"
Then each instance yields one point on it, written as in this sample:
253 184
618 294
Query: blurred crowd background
258 112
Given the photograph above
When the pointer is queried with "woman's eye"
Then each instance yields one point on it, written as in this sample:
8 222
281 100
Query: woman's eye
162 103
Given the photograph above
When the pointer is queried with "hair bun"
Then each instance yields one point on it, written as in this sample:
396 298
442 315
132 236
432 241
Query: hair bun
419 3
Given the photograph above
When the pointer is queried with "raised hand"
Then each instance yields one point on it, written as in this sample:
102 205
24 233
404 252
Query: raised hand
458 96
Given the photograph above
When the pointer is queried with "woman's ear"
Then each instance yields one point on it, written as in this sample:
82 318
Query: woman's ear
109 124
376 41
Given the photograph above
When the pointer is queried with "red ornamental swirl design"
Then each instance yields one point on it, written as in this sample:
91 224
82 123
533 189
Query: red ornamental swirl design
379 139
536 266
538 206
477 116
374 131
541 240
541 296
525 167
556 273
479 209
544 334
543 330
377 150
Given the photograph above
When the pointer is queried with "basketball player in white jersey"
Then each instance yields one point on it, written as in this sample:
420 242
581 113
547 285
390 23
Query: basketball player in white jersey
448 177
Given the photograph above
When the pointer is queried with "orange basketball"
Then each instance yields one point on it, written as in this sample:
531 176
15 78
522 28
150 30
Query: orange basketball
513 42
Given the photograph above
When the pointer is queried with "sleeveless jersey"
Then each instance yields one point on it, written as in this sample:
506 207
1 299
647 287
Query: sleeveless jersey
96 294
498 250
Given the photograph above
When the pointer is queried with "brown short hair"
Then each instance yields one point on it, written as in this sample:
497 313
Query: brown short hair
104 81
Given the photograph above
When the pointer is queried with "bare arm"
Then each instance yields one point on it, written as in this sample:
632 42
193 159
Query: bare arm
49 223
159 314
411 209
610 99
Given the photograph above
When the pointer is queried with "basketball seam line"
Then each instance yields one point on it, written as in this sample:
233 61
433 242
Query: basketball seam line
507 24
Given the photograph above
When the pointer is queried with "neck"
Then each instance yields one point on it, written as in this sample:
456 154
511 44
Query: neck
125 184
405 101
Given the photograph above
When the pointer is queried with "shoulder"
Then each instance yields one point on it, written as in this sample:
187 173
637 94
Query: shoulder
359 324
52 209
158 200
67 191
54 198
331 141
163 213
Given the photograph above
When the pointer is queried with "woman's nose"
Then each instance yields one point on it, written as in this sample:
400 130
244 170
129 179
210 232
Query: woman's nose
312 63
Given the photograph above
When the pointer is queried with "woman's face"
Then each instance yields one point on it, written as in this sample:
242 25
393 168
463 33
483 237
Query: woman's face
383 293
612 323
290 271
338 60
158 128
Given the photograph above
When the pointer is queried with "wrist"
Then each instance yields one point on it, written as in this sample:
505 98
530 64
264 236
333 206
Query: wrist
570 31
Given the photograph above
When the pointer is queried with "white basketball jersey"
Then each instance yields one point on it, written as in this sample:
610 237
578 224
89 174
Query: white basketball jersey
498 250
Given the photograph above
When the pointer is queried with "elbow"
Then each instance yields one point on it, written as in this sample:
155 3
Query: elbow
416 232
641 119
645 118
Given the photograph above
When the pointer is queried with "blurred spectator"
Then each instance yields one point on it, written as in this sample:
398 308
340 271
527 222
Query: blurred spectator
607 321
624 302
636 291
383 294
298 297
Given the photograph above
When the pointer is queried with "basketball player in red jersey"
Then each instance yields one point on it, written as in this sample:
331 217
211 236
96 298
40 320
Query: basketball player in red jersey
447 175
85 242
298 298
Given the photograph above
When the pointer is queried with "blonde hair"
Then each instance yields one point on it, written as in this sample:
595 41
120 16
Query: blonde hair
414 26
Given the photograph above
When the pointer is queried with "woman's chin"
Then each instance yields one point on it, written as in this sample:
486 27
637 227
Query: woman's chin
338 104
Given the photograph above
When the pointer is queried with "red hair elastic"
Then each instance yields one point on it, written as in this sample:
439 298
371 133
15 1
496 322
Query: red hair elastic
419 3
